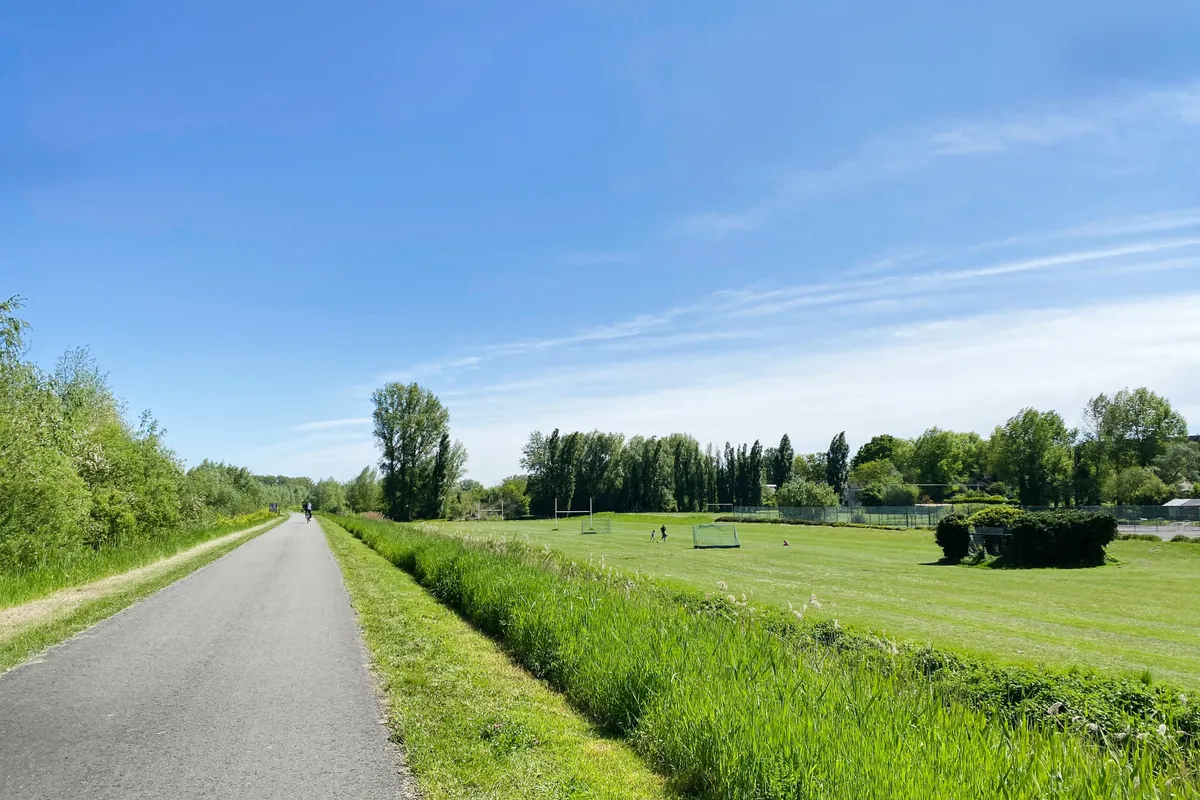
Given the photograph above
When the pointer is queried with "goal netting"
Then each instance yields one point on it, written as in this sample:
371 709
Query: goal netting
716 534
590 525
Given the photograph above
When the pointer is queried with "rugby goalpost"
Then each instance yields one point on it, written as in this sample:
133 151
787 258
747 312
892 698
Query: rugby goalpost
715 535
569 514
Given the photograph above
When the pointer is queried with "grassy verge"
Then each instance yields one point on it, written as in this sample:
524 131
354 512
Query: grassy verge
730 705
1135 615
33 639
85 566
473 724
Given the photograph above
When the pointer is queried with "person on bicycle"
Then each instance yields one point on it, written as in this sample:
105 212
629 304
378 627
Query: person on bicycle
307 510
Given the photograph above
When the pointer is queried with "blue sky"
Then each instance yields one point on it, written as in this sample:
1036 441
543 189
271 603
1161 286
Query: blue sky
731 219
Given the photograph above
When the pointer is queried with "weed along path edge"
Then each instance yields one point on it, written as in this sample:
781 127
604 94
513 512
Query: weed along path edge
245 680
473 723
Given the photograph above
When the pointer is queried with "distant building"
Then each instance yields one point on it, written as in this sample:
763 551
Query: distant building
1183 502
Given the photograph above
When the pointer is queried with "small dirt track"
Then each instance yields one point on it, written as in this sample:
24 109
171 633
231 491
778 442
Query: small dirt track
244 680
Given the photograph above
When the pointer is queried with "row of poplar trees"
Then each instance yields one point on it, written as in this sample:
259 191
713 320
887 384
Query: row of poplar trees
653 474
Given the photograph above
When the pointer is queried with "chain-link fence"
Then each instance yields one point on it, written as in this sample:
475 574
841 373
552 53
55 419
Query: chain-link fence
1130 519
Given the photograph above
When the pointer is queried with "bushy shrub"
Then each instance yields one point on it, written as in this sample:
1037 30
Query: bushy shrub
961 494
892 494
953 535
995 517
1061 538
800 493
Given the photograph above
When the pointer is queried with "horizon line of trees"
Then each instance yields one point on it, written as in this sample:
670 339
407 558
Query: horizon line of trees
1132 448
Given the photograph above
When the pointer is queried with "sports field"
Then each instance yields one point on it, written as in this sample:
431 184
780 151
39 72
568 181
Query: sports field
1140 613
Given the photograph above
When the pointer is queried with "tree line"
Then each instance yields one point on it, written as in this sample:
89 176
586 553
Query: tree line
1132 448
77 474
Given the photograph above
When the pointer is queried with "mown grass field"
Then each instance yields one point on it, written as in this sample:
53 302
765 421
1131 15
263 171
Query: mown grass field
1137 614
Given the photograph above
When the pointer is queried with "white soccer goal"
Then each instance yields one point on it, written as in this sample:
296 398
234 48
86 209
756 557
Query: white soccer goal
715 534
590 524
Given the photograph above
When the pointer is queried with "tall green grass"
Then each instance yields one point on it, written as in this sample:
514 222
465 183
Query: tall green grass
727 708
75 567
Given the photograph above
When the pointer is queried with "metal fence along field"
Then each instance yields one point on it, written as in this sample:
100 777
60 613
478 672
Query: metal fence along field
1151 518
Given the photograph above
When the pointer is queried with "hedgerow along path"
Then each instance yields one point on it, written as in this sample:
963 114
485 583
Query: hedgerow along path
726 707
1135 615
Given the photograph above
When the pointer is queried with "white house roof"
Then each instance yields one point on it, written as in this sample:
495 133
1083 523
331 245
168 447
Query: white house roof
1182 502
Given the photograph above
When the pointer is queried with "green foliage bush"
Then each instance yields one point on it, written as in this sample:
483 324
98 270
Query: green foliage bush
78 477
799 493
995 517
974 496
1061 538
953 535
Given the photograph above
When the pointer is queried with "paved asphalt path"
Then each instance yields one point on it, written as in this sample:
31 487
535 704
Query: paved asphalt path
246 679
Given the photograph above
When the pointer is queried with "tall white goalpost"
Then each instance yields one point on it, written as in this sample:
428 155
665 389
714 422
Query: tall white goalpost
569 514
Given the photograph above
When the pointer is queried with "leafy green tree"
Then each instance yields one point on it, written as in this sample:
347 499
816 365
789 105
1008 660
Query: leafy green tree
1088 473
510 496
1134 427
329 496
417 460
1137 486
879 448
1179 463
1033 451
781 462
448 467
882 472
755 465
942 459
12 331
810 467
800 493
837 464
364 493
597 473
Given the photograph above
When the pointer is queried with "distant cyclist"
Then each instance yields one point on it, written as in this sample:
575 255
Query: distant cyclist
307 510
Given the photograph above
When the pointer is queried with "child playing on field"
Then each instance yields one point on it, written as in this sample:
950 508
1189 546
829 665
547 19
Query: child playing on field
652 532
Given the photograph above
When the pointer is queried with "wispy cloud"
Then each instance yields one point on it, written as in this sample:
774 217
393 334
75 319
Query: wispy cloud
720 316
595 258
719 225
332 424
882 385
845 351
1119 115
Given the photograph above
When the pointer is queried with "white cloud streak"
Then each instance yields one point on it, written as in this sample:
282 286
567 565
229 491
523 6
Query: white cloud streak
902 154
330 424
971 374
